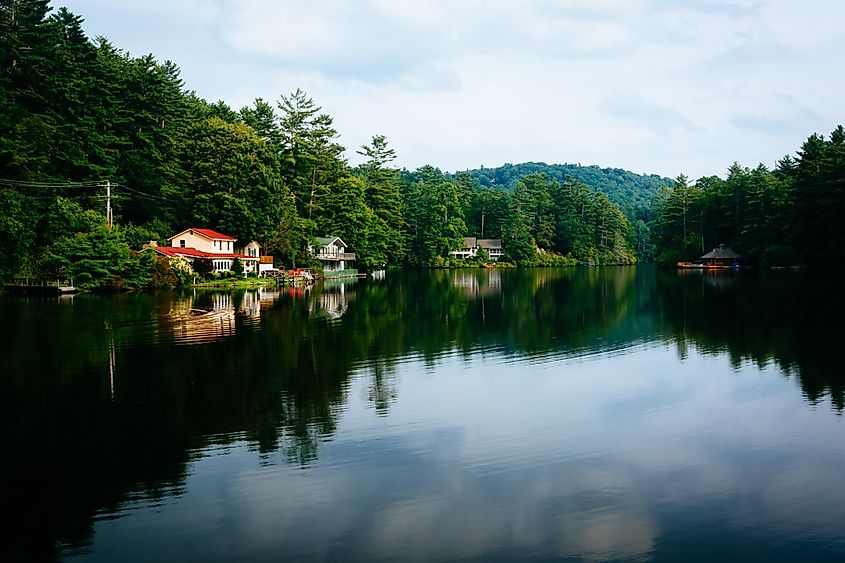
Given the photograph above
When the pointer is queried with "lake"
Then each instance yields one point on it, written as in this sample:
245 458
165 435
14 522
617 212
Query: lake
620 413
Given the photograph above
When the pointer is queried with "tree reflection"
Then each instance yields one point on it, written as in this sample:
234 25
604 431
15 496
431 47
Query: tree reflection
106 402
780 317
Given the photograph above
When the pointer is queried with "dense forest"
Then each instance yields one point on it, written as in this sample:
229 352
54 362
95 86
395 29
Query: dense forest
634 193
79 113
82 120
785 216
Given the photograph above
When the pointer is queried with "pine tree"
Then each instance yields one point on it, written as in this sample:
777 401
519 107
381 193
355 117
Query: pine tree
384 197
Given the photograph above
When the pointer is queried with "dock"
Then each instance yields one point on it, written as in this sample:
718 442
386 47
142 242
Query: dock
30 286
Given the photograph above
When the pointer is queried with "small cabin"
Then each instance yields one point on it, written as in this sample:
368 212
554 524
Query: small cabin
721 256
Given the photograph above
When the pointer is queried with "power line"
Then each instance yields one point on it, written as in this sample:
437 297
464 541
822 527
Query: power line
31 184
92 184
139 192
65 196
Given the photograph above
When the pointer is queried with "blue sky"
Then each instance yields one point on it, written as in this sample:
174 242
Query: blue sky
653 86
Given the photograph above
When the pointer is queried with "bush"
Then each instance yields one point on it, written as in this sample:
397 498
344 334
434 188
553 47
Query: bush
203 267
98 258
237 268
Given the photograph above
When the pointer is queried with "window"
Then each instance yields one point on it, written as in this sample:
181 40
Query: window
182 243
229 245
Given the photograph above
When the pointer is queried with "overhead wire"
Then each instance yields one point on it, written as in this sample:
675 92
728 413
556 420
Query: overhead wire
32 184
8 182
139 192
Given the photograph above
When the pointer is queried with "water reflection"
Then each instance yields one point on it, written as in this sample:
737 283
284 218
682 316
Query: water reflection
332 298
202 317
477 283
590 414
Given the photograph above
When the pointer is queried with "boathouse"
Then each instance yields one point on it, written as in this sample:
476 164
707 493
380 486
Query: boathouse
721 256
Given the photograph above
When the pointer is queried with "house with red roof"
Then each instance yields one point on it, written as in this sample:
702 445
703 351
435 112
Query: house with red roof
192 244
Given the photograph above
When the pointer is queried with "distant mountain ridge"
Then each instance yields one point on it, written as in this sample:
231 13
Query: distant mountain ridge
632 192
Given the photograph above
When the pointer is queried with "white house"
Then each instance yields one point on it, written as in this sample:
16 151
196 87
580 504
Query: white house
493 246
472 245
331 251
192 244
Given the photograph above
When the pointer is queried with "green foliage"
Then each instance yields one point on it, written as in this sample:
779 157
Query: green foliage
516 236
311 160
167 272
231 170
632 192
435 218
347 215
203 267
384 197
781 217
237 268
77 112
16 233
289 244
96 259
138 235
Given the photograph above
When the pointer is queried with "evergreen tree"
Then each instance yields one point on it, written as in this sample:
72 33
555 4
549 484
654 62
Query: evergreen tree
384 197
310 158
234 181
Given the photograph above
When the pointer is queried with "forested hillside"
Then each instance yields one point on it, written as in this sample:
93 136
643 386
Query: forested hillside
781 217
83 119
634 193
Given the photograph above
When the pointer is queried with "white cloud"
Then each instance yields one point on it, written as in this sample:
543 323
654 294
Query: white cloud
648 85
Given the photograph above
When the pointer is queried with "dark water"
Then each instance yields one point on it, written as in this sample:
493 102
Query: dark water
572 414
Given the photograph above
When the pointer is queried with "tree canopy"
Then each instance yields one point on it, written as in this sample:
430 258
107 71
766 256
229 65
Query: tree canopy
80 114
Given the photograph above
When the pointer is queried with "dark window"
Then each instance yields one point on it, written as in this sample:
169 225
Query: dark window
182 243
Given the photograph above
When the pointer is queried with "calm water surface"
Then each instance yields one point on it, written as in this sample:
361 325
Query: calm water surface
576 414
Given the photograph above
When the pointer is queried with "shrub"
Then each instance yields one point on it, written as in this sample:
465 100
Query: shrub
237 268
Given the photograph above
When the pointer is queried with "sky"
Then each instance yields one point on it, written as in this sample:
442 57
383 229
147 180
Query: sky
653 86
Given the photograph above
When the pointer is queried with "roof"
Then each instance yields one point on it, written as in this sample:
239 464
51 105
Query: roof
325 241
469 242
207 233
174 251
721 252
492 243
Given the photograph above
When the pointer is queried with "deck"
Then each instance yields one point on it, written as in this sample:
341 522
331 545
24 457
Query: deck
31 286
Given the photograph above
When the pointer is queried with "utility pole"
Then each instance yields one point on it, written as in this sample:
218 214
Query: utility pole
108 204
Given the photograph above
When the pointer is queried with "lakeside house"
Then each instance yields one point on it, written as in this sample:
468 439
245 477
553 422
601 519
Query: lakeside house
192 244
472 245
331 252
721 256
718 258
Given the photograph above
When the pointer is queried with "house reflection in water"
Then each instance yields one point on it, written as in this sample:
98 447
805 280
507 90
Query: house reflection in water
207 317
477 283
333 299
715 279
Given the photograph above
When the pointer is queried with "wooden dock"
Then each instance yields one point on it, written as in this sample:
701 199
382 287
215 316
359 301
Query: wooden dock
30 286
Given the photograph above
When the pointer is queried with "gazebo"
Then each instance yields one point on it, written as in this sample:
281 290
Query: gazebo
721 257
